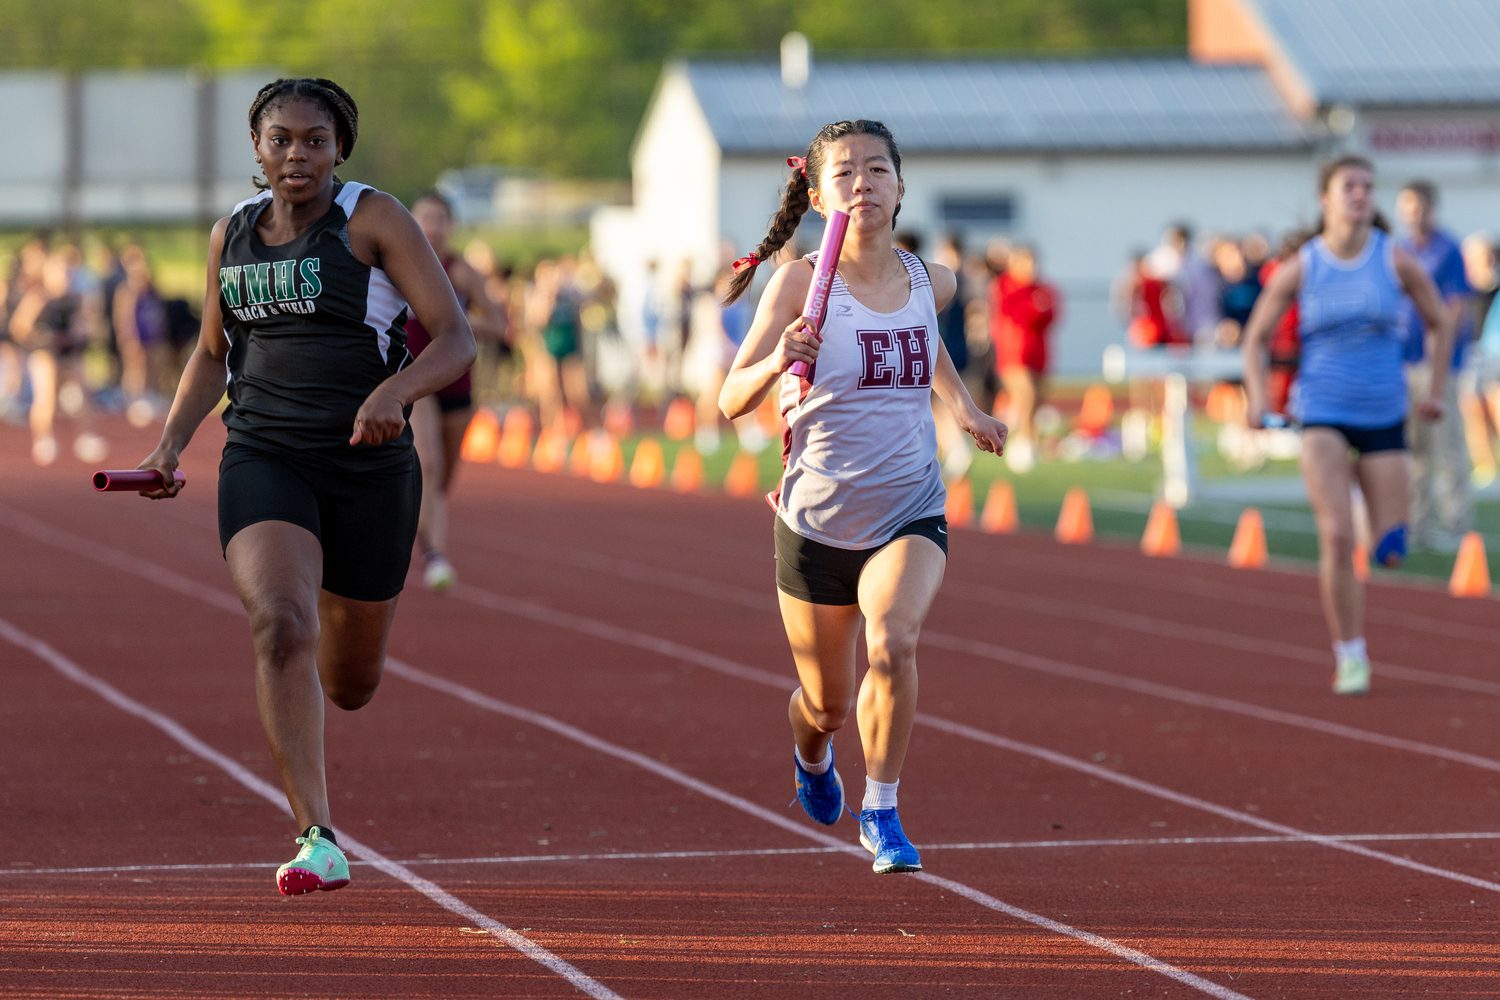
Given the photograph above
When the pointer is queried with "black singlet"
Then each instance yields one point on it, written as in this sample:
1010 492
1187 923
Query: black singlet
312 331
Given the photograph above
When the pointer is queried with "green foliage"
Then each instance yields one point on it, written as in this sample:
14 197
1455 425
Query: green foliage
551 85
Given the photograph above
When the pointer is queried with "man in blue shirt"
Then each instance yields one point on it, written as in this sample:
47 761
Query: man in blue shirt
1442 506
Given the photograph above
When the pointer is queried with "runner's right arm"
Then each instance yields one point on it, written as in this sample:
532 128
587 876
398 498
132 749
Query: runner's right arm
779 336
202 383
1269 308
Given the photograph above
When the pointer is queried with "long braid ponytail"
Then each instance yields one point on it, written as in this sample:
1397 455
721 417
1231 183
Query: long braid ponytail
795 201
794 205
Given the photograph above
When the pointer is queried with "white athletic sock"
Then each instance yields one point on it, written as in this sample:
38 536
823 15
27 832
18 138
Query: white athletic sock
821 767
1354 647
879 795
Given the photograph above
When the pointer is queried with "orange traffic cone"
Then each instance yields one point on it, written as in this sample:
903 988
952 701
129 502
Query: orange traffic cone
482 437
1161 537
1097 410
999 517
551 452
1361 563
619 419
768 414
582 457
687 470
678 424
649 467
606 460
515 439
1075 524
1471 571
1224 403
1248 550
960 506
744 476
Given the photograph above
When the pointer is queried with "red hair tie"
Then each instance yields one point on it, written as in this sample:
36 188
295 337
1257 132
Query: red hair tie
744 262
797 163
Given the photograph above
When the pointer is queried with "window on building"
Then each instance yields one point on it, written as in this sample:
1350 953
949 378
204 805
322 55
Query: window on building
991 211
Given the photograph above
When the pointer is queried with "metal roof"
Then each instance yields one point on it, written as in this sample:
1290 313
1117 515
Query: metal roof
1390 52
1002 105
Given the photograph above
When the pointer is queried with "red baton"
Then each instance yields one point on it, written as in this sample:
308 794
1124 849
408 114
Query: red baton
119 480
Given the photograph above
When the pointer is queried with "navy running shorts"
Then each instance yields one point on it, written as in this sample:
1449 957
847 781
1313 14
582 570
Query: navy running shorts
1369 439
823 574
366 522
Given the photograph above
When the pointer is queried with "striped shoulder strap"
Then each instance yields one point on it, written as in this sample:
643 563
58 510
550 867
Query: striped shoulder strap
838 287
917 268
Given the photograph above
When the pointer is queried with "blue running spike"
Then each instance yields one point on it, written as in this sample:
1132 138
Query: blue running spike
880 831
821 795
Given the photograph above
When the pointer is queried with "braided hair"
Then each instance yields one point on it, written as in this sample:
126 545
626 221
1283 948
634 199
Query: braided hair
795 201
333 98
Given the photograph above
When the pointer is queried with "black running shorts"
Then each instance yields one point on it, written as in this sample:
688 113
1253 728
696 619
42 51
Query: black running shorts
822 574
365 521
1368 439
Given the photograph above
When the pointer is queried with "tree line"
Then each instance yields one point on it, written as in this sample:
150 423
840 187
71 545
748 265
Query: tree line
557 86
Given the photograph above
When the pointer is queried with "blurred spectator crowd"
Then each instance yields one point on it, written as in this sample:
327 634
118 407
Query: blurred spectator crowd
79 335
84 334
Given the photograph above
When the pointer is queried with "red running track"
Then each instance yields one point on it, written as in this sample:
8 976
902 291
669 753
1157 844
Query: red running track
1128 780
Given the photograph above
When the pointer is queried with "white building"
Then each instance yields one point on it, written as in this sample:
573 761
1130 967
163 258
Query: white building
107 146
1087 159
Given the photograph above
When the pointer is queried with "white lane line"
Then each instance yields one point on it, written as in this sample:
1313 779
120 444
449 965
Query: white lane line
570 732
720 664
1061 565
640 573
1078 611
41 531
687 654
1169 692
222 599
998 845
276 797
684 583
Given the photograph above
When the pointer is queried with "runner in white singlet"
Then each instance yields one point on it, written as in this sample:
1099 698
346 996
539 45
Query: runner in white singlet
860 533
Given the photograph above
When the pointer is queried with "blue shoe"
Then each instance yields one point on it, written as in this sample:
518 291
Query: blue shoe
821 795
880 832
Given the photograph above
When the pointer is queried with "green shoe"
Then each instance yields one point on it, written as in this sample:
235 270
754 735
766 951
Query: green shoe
1352 675
319 865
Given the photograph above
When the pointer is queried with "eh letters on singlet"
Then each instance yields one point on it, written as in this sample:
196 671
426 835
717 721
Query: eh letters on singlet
894 359
260 291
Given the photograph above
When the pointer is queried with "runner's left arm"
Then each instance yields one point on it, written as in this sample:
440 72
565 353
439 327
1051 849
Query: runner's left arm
989 434
1441 329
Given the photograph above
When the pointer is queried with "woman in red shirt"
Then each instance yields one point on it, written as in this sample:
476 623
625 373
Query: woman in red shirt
1023 310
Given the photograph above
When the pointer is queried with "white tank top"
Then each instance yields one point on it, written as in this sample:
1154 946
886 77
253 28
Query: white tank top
862 459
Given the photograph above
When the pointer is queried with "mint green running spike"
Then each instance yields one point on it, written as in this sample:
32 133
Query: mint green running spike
319 865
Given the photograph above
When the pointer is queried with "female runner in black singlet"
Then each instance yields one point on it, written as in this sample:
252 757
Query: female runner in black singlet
319 487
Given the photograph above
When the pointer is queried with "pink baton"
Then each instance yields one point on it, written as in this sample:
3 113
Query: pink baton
817 294
118 480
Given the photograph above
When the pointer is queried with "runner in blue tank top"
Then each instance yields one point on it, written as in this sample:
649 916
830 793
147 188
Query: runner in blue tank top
319 486
1349 283
860 536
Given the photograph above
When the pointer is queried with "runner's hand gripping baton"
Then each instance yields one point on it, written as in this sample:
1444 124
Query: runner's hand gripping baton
132 480
817 294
